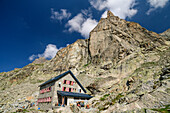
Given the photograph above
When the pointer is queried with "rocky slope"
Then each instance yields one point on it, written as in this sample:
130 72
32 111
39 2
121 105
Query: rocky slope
125 67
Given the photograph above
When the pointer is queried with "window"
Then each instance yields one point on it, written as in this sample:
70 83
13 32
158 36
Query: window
59 84
69 89
70 82
64 88
67 82
64 82
80 90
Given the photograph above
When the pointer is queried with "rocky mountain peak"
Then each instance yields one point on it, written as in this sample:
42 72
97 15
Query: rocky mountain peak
115 38
166 34
109 14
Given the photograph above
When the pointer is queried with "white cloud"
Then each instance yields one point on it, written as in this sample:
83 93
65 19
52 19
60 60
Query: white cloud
75 23
49 52
63 14
154 4
121 8
82 24
87 26
32 57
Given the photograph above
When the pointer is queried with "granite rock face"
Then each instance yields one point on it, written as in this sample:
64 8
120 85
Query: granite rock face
114 39
166 34
122 64
39 60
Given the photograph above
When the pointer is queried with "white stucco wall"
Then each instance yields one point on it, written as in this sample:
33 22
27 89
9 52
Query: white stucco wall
70 100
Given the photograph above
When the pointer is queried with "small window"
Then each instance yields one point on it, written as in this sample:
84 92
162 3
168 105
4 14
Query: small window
64 89
59 84
80 90
67 82
64 82
70 82
69 89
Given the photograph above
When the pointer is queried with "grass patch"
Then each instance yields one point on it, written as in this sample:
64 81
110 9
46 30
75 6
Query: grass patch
39 81
34 81
25 111
87 64
147 64
3 88
137 70
39 64
101 108
106 95
102 99
117 98
166 109
5 75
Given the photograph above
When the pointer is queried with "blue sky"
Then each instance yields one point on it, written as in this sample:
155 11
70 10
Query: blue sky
39 28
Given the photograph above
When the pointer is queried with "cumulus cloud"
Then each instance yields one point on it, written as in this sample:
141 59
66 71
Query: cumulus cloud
121 8
32 57
49 52
154 4
82 23
75 23
63 14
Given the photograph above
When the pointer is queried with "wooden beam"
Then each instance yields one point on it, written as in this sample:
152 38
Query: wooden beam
63 98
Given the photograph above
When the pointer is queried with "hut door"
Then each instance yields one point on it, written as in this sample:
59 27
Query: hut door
65 101
60 99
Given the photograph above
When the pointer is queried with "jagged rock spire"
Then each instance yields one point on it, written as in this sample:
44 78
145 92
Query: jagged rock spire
109 14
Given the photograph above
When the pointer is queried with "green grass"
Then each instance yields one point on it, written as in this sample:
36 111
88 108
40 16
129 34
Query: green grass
21 111
3 88
106 95
117 98
101 108
108 103
148 64
39 64
5 75
166 109
137 70
25 111
34 81
87 64
102 99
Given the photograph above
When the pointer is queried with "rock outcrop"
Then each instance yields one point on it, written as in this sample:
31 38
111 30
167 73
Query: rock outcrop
125 67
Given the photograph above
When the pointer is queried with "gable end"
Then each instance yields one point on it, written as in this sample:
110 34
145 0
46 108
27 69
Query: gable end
62 75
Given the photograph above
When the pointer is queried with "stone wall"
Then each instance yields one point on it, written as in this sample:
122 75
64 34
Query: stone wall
46 105
70 78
